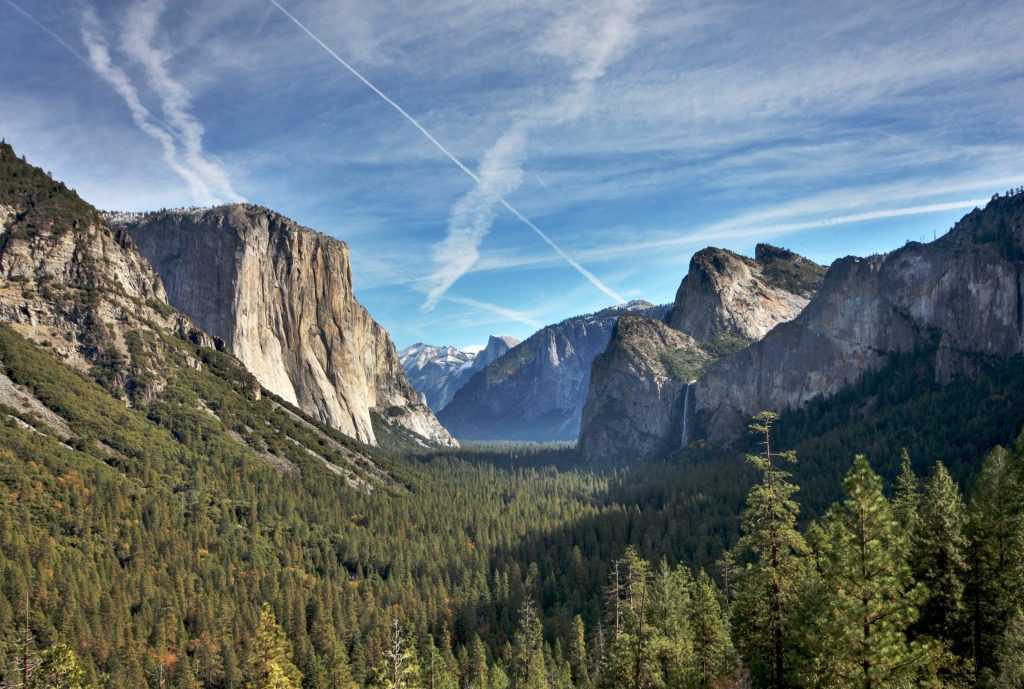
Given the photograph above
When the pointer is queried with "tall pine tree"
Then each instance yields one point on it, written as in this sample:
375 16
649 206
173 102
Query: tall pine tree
713 650
270 659
872 595
997 553
766 588
939 559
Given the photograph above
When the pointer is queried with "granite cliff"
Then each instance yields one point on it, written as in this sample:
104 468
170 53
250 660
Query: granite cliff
640 404
536 391
77 287
280 298
94 356
959 297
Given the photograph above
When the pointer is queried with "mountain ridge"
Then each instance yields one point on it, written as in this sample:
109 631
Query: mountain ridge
437 373
536 390
640 404
962 293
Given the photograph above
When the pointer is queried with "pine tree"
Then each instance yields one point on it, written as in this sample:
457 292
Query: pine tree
908 495
337 668
270 657
671 637
939 557
641 655
766 587
58 669
714 654
436 669
872 596
474 668
997 553
1011 654
578 653
529 670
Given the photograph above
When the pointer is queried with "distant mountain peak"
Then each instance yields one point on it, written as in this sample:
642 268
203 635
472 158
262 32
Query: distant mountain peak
438 372
537 389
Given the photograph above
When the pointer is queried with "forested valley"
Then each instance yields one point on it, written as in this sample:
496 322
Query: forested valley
154 551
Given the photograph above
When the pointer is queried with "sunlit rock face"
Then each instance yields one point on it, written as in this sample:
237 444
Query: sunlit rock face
642 402
959 296
725 293
280 297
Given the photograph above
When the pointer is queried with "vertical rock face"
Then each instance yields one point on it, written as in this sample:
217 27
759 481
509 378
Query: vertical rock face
280 296
536 391
637 405
641 401
960 296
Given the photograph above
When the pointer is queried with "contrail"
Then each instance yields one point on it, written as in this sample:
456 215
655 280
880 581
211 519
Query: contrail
42 27
452 157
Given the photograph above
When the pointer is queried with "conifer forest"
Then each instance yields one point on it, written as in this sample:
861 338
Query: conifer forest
152 552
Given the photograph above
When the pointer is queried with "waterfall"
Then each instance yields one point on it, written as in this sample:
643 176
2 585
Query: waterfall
686 416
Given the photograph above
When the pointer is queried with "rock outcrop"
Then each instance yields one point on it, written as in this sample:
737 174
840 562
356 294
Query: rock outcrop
74 285
638 404
641 400
728 294
438 372
80 290
497 346
280 297
537 390
959 296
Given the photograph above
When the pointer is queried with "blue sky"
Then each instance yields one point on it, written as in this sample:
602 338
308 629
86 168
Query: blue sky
536 159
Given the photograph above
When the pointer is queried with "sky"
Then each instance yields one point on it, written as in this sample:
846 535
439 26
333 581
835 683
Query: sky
498 166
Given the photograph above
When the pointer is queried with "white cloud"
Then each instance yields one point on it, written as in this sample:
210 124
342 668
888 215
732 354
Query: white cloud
179 134
471 218
589 40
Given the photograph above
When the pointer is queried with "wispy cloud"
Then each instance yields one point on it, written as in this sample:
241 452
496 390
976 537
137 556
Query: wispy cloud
178 133
800 216
471 218
761 227
589 41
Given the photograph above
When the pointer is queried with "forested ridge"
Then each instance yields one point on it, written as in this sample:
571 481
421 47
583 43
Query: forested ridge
162 554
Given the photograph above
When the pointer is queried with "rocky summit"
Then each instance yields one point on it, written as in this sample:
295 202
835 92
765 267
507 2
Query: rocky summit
959 297
280 297
725 294
641 399
437 373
